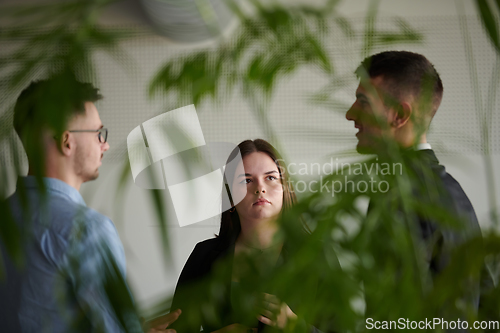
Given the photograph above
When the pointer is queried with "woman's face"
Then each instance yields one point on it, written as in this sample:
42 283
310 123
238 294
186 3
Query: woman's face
258 175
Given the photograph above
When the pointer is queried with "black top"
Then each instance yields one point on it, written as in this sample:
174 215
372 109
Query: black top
203 291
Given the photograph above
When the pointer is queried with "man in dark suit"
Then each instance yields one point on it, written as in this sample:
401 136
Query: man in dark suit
398 95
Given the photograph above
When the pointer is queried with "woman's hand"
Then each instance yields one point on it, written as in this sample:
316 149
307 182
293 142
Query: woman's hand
160 324
236 328
275 313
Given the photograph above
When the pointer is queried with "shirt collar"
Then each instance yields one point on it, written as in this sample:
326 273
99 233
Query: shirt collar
423 146
53 185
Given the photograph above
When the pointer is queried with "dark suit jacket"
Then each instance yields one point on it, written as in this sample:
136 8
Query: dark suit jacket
438 235
451 197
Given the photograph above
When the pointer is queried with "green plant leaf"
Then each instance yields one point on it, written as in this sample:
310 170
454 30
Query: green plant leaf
489 22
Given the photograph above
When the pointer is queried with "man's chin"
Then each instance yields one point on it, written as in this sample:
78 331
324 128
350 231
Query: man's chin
93 176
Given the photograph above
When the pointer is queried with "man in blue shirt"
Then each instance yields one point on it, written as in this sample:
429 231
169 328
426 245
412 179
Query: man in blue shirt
73 277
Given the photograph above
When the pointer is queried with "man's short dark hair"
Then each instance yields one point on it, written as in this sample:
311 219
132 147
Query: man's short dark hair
405 73
50 104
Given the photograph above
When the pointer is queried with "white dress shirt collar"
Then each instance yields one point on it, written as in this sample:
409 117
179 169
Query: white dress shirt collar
423 146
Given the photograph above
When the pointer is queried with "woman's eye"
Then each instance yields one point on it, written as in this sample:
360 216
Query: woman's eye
245 181
271 178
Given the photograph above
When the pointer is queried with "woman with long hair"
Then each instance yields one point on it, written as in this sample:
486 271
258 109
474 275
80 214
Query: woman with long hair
218 289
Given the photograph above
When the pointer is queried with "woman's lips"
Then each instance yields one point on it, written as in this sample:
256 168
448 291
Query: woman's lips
261 202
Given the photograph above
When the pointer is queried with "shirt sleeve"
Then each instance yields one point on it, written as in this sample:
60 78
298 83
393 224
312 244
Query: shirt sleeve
95 266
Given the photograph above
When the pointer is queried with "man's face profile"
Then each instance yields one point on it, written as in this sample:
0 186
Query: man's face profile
371 116
89 150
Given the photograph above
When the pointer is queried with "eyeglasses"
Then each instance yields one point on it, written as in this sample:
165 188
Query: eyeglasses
102 133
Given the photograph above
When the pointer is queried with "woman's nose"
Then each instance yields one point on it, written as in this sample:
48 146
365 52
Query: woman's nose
260 188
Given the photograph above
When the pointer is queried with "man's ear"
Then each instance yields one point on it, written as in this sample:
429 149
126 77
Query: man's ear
66 144
402 114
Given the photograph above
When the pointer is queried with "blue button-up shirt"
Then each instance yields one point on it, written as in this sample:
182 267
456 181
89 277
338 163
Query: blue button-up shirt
71 254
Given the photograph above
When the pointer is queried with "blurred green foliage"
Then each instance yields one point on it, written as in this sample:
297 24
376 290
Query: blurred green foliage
380 260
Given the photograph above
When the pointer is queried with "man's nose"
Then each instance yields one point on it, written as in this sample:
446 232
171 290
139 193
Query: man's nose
105 146
351 113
